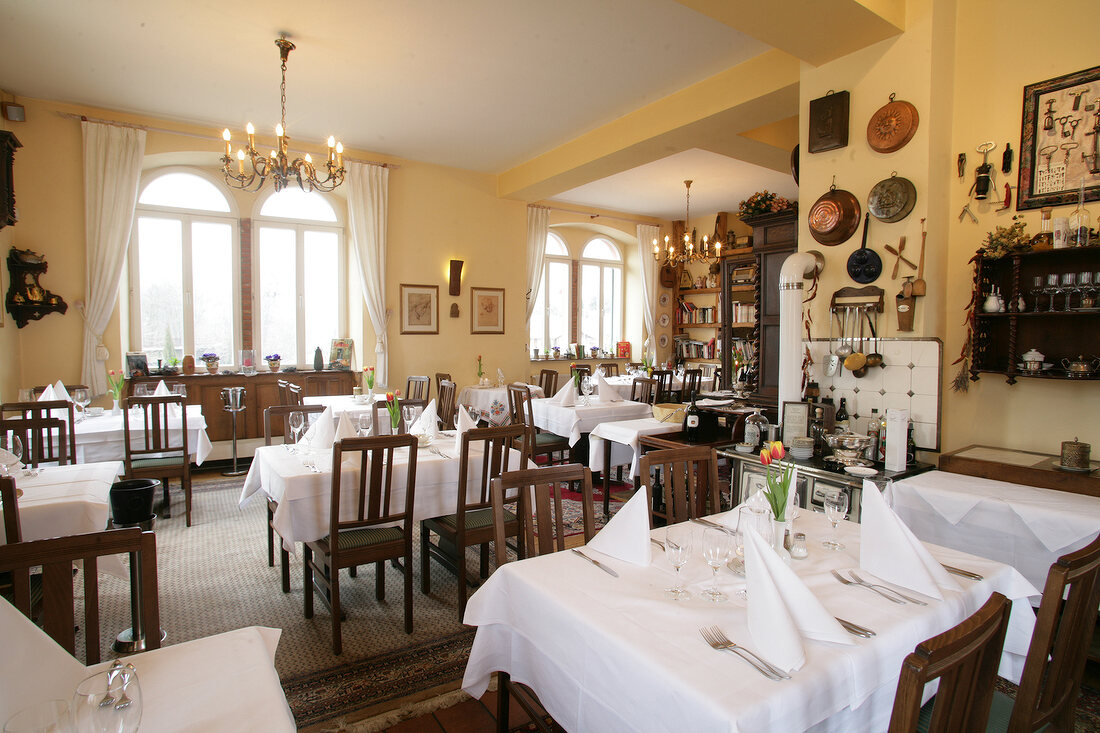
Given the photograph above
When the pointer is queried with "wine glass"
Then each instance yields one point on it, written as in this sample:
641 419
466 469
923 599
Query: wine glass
1036 291
836 508
82 399
1069 287
12 444
586 387
297 420
365 419
51 716
678 552
411 413
179 389
716 551
108 702
1052 289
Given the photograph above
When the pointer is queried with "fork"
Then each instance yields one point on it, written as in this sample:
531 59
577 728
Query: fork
717 640
885 595
112 673
124 700
875 585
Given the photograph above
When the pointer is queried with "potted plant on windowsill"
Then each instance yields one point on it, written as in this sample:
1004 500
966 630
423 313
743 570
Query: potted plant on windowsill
274 362
211 360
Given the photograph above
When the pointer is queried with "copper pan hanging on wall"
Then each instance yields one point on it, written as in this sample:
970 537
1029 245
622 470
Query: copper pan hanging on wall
892 199
834 217
892 126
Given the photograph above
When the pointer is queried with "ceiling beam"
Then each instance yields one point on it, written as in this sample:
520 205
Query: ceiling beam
816 31
705 115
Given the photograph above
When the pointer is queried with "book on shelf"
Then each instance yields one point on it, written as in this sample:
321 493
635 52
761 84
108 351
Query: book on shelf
688 348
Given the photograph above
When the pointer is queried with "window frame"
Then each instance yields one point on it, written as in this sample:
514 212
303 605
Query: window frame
186 217
603 264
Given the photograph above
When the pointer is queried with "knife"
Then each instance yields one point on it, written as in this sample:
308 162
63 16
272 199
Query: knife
601 566
963 573
712 525
855 629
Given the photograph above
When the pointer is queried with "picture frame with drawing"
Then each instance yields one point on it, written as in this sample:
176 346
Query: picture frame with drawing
486 310
419 309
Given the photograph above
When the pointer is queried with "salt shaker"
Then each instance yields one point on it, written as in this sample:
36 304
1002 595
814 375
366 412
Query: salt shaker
798 547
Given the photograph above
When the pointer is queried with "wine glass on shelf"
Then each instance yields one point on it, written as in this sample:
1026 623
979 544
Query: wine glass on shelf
1036 291
1069 287
716 551
82 399
836 509
108 702
296 419
13 444
1086 287
1052 289
678 551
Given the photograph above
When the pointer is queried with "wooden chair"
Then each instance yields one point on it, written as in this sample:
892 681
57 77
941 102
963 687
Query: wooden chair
418 388
540 443
965 660
376 533
690 478
582 369
45 409
380 417
68 388
643 389
56 557
280 412
693 378
472 522
1055 663
445 407
282 387
536 494
10 504
664 385
155 452
43 438
293 394
610 369
635 365
441 377
548 380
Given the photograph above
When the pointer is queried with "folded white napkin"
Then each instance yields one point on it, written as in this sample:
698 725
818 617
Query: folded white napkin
626 536
890 551
566 396
162 390
500 376
60 392
782 610
427 423
465 422
48 394
344 428
606 391
9 461
321 433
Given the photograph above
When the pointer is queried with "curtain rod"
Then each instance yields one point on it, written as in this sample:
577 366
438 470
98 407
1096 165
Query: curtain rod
218 138
590 215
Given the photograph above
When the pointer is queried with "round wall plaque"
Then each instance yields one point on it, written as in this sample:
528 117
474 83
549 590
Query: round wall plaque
662 340
892 126
663 320
664 300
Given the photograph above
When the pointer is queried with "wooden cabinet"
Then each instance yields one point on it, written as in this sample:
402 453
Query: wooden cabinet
1000 339
740 311
260 392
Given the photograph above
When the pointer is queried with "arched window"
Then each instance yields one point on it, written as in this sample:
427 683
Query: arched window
550 320
183 265
297 275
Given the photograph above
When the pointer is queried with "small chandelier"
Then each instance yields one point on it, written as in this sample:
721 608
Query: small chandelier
278 165
690 252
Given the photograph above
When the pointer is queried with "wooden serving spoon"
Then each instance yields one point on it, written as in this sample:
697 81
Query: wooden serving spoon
919 286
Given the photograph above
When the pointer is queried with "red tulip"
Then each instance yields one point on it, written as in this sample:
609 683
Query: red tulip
777 450
389 397
765 457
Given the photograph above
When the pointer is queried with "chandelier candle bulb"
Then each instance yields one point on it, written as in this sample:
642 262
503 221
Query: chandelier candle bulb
226 137
251 136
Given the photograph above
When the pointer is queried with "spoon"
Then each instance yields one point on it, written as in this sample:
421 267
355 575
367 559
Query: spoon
844 349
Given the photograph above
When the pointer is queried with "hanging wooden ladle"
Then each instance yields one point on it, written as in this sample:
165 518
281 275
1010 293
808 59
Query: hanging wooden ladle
857 359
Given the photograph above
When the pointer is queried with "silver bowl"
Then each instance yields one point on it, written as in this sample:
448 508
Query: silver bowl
850 441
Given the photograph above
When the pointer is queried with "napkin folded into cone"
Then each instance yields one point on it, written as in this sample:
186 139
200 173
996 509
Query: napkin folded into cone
782 610
427 423
607 392
566 396
344 428
465 422
163 391
890 551
321 433
626 536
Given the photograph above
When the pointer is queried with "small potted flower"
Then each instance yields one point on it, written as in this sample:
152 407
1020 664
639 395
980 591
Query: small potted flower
115 380
777 492
481 378
393 406
274 361
211 360
557 352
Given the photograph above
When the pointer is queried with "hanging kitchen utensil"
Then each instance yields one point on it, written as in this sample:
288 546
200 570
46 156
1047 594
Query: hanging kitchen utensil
905 302
864 265
845 348
892 126
897 262
874 359
832 361
919 286
983 174
834 217
857 358
892 199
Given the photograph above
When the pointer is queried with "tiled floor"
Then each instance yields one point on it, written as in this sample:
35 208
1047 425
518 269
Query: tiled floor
471 716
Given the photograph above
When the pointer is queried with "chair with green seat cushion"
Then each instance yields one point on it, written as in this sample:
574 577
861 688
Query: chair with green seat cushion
376 530
964 659
540 442
156 445
1055 663
490 450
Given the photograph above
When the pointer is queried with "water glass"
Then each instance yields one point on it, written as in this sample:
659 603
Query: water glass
82 399
50 716
12 444
108 702
411 413
296 420
752 516
365 420
678 551
179 389
836 509
717 546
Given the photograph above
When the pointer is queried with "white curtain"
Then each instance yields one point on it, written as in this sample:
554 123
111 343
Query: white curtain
112 171
646 234
368 194
538 229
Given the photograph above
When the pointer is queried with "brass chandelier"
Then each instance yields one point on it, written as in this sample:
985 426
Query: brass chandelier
278 166
690 252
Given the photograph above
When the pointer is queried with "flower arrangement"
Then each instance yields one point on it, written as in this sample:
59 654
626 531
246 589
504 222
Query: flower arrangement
576 375
368 376
1006 240
557 352
273 361
393 406
779 482
480 371
209 357
115 380
764 202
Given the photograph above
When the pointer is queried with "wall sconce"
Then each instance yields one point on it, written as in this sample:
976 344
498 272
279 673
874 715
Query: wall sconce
454 282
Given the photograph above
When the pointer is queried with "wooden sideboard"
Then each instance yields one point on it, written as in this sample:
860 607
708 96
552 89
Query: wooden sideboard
260 392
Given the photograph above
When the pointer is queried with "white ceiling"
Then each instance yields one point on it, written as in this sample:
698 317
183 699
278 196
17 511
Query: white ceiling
477 84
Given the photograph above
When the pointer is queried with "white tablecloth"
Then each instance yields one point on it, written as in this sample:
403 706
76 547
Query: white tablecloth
572 421
624 436
100 438
345 403
623 383
608 653
303 496
225 683
491 403
1022 526
65 500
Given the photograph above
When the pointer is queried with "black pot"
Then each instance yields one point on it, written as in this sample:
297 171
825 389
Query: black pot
132 500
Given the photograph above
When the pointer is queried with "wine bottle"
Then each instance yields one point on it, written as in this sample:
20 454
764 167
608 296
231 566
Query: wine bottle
842 420
691 422
871 453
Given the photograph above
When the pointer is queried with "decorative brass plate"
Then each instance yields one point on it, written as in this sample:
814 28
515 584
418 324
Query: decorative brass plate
892 126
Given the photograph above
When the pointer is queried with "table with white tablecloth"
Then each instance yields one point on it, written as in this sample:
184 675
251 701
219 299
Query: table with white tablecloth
100 438
1023 526
624 382
304 495
622 437
571 422
65 500
491 403
351 405
217 683
609 654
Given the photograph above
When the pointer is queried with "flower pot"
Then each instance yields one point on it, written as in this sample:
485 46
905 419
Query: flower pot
273 365
212 367
132 500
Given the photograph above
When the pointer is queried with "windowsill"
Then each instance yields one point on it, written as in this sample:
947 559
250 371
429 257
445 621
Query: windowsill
587 358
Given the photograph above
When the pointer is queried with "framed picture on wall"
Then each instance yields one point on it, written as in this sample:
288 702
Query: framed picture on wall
419 308
486 310
1060 140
